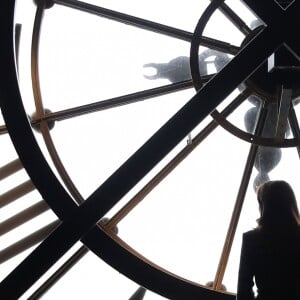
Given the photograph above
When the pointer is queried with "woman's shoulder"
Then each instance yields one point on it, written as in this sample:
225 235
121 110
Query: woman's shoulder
252 236
252 233
260 233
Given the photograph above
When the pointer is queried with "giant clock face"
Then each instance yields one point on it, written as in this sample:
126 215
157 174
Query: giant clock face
146 129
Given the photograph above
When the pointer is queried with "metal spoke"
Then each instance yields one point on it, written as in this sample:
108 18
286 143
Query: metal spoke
79 254
283 113
114 102
218 45
127 19
238 204
268 11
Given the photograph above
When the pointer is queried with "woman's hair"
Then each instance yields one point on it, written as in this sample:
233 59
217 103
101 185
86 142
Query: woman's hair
278 205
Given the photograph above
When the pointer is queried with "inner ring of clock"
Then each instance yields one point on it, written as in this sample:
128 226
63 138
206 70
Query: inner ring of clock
274 85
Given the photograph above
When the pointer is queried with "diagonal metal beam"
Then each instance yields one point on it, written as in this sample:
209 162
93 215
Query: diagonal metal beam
268 11
283 112
239 203
83 218
281 21
234 18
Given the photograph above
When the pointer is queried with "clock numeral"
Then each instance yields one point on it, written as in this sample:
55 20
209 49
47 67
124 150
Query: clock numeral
22 217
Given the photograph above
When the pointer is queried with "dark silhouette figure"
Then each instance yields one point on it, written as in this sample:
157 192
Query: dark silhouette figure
271 253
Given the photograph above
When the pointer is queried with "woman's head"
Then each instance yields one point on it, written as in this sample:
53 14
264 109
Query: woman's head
278 205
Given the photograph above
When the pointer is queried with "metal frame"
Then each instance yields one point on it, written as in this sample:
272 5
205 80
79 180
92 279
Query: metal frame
79 222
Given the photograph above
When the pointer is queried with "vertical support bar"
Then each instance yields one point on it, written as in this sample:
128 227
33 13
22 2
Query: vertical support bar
238 205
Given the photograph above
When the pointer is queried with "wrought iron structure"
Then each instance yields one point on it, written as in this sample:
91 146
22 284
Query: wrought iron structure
83 219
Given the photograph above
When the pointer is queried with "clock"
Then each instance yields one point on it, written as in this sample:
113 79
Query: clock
157 177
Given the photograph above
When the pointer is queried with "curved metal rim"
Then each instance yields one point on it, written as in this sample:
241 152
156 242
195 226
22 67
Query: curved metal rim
194 64
50 188
40 110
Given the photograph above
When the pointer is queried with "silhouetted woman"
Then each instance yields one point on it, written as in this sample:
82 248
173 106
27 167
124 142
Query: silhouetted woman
271 252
